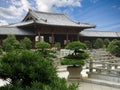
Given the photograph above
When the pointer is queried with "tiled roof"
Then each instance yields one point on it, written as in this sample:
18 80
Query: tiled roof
14 31
57 19
92 33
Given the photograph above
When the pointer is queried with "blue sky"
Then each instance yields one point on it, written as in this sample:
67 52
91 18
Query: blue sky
105 14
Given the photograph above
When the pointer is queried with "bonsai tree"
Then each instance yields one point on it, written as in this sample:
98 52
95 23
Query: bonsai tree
78 56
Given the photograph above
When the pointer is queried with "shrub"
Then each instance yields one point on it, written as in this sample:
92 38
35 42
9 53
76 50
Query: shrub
89 44
114 47
43 48
106 42
26 43
42 45
28 70
98 43
10 43
1 50
57 45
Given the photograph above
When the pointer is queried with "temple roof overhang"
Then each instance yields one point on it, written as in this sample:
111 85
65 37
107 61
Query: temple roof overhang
15 31
54 19
94 33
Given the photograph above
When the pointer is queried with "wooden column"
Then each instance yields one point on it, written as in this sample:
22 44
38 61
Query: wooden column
78 37
52 39
39 36
67 38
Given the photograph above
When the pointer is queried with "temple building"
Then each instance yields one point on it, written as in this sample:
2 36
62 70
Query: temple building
52 28
45 26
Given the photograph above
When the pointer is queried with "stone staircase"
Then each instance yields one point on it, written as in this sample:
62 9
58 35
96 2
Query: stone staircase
104 68
102 55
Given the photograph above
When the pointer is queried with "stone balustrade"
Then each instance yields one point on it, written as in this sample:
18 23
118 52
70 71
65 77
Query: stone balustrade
65 52
104 67
104 71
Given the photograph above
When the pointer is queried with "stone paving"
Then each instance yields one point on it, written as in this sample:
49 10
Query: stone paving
89 86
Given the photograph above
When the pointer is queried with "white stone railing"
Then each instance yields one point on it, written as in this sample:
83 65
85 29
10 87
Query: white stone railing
64 52
104 68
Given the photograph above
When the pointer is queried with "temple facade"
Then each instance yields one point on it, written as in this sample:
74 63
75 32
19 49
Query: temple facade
53 28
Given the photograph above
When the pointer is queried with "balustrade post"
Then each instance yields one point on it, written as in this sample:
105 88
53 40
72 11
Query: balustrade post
109 66
91 65
103 65
116 66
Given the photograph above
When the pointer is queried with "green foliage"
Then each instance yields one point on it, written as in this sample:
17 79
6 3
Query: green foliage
88 43
66 61
47 53
42 45
76 45
10 43
78 56
1 51
28 70
28 66
114 47
98 43
106 42
26 43
44 50
58 84
57 45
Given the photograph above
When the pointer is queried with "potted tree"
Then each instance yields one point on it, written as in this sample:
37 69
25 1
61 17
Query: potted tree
76 60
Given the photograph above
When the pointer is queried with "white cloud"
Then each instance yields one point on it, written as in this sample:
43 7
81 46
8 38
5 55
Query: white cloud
25 5
47 5
18 7
3 22
11 12
15 10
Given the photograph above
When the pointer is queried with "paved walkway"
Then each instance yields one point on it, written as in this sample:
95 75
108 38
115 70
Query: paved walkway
89 86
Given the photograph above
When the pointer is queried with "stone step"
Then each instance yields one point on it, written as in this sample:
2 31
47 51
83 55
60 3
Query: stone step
102 82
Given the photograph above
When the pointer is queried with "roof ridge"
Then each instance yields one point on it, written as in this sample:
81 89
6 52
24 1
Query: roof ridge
100 31
77 22
71 19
